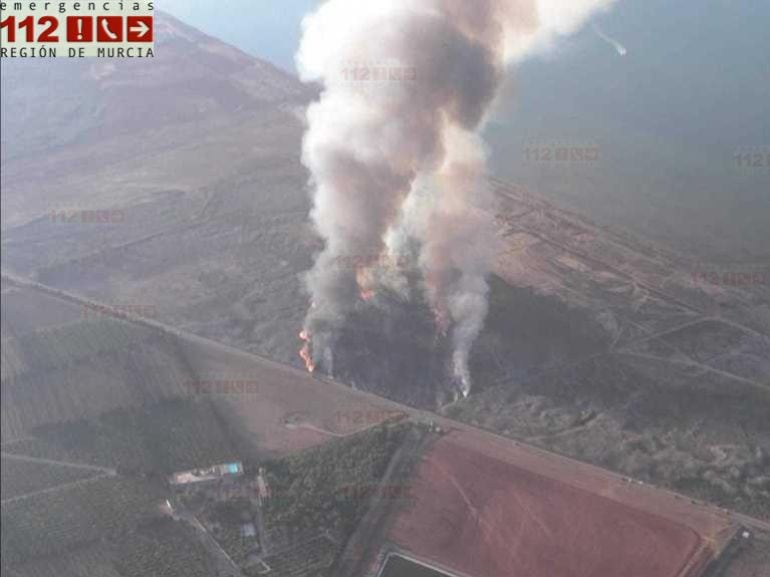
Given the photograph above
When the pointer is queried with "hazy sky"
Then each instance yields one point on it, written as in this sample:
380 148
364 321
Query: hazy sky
269 29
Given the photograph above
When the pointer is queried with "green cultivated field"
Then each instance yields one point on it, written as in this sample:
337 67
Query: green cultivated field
54 523
58 347
327 487
170 436
23 478
161 549
87 562
81 370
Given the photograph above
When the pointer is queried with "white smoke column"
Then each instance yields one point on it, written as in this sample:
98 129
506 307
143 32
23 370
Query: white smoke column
619 48
456 229
369 143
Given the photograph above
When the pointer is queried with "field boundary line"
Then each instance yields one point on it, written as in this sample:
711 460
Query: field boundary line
55 463
56 489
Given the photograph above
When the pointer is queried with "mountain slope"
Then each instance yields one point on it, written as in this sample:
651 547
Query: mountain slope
47 104
65 122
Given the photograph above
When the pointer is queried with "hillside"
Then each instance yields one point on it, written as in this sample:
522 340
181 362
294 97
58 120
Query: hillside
599 345
213 238
103 100
193 158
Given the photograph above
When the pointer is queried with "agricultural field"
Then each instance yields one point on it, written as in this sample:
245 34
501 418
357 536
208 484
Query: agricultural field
222 508
488 507
91 561
54 523
278 410
751 558
160 549
25 477
657 424
82 368
329 488
317 498
26 311
229 537
309 557
158 439
62 346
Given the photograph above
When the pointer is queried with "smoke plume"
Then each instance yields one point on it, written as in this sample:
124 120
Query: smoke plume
619 48
393 148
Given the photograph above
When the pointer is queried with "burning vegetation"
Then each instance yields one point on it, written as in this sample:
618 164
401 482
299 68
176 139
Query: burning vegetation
305 353
398 168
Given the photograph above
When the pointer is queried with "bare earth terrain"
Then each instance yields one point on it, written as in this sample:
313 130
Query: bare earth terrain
486 509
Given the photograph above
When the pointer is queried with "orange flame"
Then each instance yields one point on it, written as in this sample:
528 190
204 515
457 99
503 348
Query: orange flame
304 352
367 294
365 284
442 322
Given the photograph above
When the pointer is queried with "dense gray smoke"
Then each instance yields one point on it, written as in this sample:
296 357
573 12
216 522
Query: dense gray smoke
393 149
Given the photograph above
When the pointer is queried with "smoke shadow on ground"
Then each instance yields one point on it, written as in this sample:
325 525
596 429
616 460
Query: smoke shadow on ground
527 332
390 347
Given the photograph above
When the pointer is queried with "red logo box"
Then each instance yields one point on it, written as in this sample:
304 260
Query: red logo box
80 29
139 28
109 29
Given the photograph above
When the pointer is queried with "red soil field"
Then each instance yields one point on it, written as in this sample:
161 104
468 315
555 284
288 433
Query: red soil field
485 508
